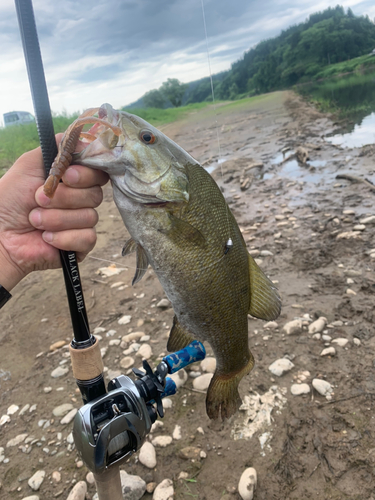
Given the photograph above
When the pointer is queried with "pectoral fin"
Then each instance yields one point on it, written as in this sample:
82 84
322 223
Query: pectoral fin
265 301
182 232
142 264
142 259
179 337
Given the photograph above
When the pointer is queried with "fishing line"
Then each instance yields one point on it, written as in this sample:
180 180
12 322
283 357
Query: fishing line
229 243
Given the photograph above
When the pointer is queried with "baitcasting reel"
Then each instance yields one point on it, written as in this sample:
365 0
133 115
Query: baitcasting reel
110 428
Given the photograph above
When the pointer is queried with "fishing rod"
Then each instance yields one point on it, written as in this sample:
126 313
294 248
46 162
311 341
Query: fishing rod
111 425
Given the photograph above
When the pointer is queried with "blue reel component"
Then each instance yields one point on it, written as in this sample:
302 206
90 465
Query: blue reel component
190 354
170 388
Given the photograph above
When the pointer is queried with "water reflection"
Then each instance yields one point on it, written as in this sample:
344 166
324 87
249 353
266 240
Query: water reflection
362 134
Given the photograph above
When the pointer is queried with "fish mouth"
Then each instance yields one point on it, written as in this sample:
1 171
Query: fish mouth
105 140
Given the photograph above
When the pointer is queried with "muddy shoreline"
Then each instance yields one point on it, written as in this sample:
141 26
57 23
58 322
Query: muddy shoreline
307 229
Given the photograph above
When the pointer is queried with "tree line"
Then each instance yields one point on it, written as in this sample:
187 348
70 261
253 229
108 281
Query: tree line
297 55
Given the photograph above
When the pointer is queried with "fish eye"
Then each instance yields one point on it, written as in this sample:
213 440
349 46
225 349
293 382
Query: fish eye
147 137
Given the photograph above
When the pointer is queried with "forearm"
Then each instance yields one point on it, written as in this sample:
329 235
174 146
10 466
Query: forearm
10 274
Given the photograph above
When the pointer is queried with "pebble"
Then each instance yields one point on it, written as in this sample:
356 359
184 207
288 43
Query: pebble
356 341
17 440
12 409
24 409
163 304
132 336
47 390
150 487
271 325
68 417
247 484
326 338
323 387
318 325
293 327
341 342
349 291
57 345
359 227
368 220
167 403
164 490
201 383
134 347
177 433
114 342
36 480
32 497
162 441
124 320
266 253
133 487
4 419
179 378
298 389
338 323
78 492
56 476
90 478
147 455
329 351
60 371
62 410
126 362
317 336
281 366
208 365
145 351
189 453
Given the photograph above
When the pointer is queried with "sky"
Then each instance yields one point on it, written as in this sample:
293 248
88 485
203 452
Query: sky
116 50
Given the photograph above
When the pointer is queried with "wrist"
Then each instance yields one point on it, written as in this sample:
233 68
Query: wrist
10 274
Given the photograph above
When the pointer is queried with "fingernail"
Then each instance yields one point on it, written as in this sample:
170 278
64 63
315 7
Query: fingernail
71 176
47 236
43 200
36 217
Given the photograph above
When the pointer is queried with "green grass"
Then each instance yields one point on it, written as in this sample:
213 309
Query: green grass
358 64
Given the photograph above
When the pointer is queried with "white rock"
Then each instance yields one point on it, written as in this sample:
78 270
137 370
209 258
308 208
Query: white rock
298 389
78 492
98 329
359 227
56 476
62 410
132 336
47 390
124 320
329 351
70 439
162 441
326 338
266 253
69 417
281 366
271 325
340 342
356 341
167 403
322 386
4 419
201 383
145 351
208 365
90 478
338 323
293 327
16 440
164 490
133 487
36 480
114 342
203 454
12 409
32 497
318 325
147 455
179 378
163 304
177 433
24 409
60 371
349 291
368 220
126 362
247 484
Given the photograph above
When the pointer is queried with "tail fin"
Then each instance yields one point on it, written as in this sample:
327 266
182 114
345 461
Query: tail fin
223 399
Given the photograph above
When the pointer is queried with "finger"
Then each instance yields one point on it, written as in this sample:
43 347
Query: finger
70 198
62 220
76 240
83 177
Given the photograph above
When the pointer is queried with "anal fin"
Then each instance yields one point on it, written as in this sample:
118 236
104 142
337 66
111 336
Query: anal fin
265 302
179 337
142 264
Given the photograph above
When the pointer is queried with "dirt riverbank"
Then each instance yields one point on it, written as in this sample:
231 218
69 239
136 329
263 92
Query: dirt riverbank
314 236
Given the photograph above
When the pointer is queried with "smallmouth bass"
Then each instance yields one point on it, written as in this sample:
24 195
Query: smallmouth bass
180 224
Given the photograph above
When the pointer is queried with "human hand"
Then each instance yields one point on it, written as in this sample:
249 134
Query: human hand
33 227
